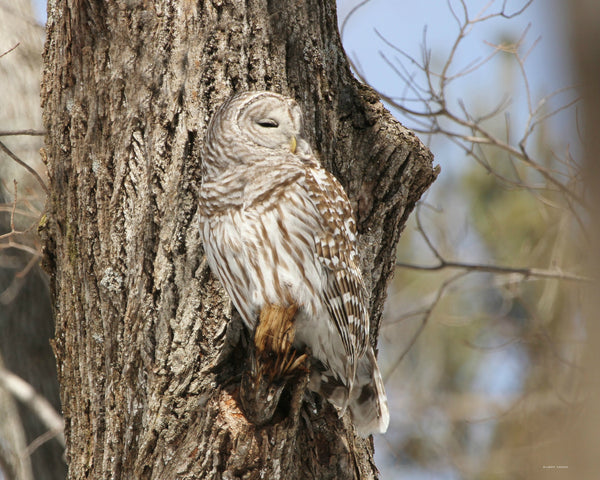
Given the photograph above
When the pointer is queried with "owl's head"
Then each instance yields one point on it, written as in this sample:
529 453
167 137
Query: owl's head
268 119
252 125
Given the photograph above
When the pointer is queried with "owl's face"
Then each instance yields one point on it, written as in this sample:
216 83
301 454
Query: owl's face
253 127
270 120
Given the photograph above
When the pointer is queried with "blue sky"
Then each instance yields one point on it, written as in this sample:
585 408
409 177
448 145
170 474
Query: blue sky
402 23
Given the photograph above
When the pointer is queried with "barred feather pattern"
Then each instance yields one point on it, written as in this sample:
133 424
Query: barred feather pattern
278 229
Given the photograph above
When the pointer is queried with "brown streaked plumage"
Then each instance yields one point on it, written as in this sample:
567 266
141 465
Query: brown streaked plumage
278 232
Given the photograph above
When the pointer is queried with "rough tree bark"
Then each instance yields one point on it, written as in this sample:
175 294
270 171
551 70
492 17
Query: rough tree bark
128 89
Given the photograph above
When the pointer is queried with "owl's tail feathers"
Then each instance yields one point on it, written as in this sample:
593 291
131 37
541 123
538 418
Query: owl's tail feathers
368 403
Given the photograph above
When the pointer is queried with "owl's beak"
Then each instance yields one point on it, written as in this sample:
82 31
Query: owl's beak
293 144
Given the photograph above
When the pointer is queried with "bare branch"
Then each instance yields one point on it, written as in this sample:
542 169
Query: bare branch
500 270
350 14
454 14
18 211
40 440
6 150
26 394
13 231
18 246
435 105
525 272
12 212
9 133
517 12
426 315
10 50
425 236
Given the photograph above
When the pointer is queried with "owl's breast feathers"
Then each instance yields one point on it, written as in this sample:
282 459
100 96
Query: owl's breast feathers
326 217
260 186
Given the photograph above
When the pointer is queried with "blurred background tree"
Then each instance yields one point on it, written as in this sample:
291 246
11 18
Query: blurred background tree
485 328
27 365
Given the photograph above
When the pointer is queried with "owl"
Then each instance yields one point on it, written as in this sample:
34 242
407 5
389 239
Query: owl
278 230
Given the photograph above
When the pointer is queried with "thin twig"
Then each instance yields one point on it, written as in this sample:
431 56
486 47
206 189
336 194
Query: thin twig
30 264
26 394
6 150
39 441
350 14
12 212
435 103
18 246
526 272
30 131
10 49
18 211
426 315
499 270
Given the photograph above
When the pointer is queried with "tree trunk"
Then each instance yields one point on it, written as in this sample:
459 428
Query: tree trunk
128 89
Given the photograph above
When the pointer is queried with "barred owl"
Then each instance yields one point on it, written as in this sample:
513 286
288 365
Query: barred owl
278 230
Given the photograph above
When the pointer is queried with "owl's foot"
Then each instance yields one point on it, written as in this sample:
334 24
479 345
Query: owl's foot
273 339
274 363
259 397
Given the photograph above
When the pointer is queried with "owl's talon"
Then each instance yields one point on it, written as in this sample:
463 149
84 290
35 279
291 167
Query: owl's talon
259 397
273 363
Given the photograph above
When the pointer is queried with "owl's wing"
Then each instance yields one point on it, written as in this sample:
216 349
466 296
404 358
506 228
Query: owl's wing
345 294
